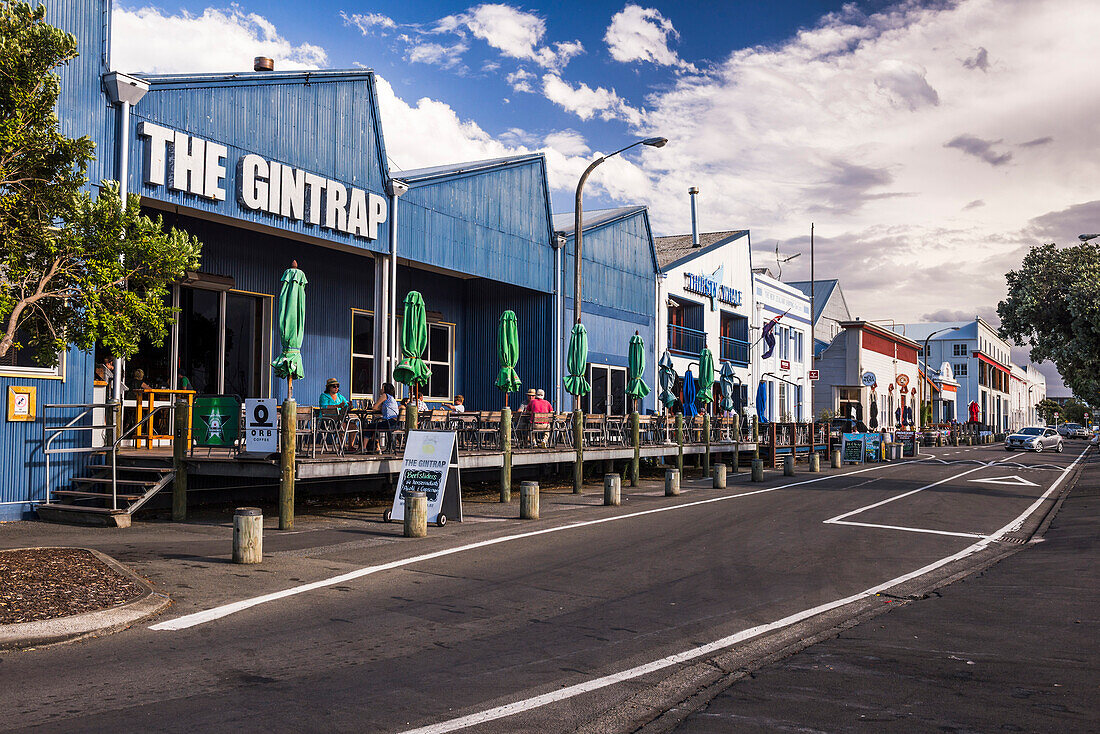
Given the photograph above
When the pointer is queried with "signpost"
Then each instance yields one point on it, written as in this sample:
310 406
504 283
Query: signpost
260 433
430 465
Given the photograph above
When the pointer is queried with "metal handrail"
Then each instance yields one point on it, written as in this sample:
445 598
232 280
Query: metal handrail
56 431
114 451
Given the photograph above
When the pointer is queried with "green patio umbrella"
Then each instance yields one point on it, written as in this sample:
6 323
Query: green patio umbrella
414 340
291 323
726 381
508 351
667 375
577 361
635 386
706 376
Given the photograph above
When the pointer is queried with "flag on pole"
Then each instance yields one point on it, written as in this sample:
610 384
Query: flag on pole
768 334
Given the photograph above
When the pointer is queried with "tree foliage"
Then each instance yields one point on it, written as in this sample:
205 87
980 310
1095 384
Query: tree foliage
1047 409
1053 306
73 269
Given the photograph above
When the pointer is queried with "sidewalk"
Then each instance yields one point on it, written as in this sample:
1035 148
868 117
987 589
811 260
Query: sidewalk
1015 648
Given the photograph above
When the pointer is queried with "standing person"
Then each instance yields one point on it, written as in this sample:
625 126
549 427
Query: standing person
331 396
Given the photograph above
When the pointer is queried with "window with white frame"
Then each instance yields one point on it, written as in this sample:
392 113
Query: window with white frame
959 369
362 354
958 350
439 356
21 361
797 337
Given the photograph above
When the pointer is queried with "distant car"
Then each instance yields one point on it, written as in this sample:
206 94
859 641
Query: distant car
838 426
1034 438
1072 430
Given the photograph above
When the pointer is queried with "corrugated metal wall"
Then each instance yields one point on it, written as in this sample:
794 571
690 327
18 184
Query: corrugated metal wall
492 224
327 125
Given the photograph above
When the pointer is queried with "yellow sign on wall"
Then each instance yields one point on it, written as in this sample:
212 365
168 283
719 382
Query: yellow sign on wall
22 403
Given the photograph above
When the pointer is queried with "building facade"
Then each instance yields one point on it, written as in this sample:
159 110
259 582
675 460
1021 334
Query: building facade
830 309
705 298
785 372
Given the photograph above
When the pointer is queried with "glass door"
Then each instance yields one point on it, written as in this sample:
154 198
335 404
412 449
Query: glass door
222 339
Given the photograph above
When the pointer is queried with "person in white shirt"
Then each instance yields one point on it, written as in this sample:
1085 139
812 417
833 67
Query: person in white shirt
458 406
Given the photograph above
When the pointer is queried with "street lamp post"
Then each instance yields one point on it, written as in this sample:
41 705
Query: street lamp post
1087 237
920 408
578 216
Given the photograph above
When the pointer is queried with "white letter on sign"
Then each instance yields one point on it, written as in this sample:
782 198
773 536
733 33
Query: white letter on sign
215 171
188 161
155 151
252 175
358 222
336 216
377 215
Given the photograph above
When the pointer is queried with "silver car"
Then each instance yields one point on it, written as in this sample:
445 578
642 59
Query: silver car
1073 430
1034 438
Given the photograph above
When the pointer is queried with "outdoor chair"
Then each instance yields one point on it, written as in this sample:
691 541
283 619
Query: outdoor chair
465 427
615 429
540 430
488 430
594 430
304 425
561 431
335 427
437 420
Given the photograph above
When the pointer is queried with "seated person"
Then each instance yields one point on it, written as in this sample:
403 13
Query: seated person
540 404
386 406
458 406
331 397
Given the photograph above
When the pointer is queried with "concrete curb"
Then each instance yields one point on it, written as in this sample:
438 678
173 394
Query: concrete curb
90 624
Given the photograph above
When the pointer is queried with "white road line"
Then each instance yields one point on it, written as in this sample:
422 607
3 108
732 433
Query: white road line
694 653
209 615
910 530
902 495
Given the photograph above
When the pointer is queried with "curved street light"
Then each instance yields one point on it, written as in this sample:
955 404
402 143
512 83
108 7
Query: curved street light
920 408
577 233
1087 237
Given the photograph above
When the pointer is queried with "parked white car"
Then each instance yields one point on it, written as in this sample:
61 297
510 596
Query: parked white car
1073 430
1034 438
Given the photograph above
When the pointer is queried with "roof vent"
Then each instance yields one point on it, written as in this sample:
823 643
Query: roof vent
263 63
693 192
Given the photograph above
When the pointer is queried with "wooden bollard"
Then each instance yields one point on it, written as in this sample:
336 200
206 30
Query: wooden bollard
287 460
680 442
757 470
815 462
529 501
719 476
578 447
672 482
506 448
836 459
248 535
788 466
180 445
416 514
612 490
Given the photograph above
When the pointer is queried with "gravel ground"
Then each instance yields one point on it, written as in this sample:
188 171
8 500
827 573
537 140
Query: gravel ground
46 583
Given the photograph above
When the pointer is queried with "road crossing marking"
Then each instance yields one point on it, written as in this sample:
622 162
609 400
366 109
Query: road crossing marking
1013 481
516 707
209 615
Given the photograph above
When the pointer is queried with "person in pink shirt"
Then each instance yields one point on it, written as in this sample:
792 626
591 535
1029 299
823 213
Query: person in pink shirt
539 404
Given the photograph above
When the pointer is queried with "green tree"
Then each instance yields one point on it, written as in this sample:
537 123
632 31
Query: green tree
1053 306
73 269
1047 409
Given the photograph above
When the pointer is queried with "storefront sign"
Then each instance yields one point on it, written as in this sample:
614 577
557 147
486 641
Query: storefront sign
22 402
851 451
872 447
813 374
707 286
187 163
785 365
430 465
869 379
215 421
260 433
902 380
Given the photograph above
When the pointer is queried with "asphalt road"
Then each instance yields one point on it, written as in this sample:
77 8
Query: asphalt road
522 634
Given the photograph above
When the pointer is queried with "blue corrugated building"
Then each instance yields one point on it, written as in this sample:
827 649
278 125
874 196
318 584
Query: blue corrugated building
270 167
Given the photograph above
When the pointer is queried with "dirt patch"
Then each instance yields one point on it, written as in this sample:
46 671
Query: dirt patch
46 583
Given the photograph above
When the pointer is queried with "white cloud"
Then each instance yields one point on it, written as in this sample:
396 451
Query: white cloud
444 56
151 40
567 142
366 22
586 102
515 33
520 79
642 34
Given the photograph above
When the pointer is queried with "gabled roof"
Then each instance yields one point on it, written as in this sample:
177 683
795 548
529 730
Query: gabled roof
823 291
674 249
565 221
454 169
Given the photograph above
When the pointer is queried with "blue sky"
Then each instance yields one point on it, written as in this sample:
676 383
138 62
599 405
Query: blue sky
931 143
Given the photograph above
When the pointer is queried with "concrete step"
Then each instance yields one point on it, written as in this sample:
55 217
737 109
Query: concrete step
80 515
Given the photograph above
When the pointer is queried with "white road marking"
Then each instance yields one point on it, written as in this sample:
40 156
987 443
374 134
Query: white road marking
1014 480
909 530
694 653
209 615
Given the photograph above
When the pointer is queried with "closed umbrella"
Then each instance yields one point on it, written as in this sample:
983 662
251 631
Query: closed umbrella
706 376
508 351
762 402
635 386
725 382
667 374
689 395
872 421
290 320
577 360
414 340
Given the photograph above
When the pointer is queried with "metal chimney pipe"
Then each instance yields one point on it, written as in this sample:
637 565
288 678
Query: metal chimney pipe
693 191
263 63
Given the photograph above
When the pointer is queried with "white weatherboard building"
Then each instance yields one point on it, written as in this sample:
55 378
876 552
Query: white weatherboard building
705 298
785 372
1027 389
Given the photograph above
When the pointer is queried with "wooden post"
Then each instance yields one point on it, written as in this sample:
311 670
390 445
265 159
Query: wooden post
248 535
636 436
680 442
672 482
756 438
287 443
836 459
757 470
706 437
416 514
180 445
719 476
736 443
529 501
815 462
578 446
506 445
612 490
788 466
